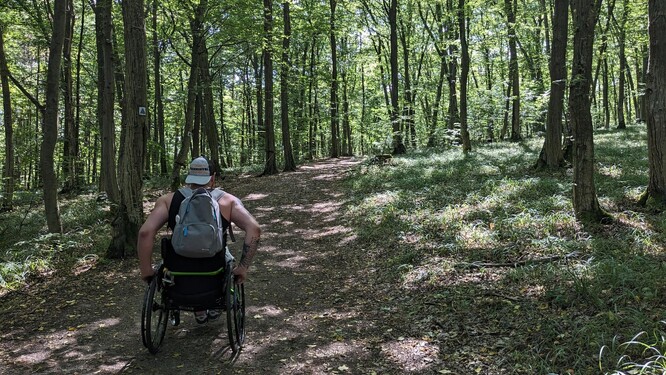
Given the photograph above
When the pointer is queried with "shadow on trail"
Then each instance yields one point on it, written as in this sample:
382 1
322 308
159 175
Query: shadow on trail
307 309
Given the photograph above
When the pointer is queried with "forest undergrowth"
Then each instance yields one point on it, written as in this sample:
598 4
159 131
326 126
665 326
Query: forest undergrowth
479 256
499 271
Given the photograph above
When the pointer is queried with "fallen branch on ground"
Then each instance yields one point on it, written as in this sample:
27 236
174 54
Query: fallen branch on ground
521 263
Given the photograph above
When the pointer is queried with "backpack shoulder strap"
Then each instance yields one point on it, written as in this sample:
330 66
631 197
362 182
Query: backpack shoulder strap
174 207
217 193
185 191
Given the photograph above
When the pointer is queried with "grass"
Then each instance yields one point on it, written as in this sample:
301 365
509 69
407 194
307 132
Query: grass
29 252
435 213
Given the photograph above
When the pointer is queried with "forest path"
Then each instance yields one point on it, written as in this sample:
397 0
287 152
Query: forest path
308 308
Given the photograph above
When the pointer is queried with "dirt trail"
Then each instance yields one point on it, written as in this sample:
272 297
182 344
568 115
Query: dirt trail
308 309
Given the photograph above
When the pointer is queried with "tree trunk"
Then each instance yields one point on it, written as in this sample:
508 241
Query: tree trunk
642 101
432 142
621 123
551 153
514 80
464 73
159 104
129 216
258 66
181 159
79 163
289 163
270 167
656 105
346 125
209 123
585 202
335 121
408 109
106 98
50 119
70 139
311 82
398 145
8 170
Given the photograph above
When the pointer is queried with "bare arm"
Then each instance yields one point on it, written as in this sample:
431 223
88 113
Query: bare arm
239 215
158 216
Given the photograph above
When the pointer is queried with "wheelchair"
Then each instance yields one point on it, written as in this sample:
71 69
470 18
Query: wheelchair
189 284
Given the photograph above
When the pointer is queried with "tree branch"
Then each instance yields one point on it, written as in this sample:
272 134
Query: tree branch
521 263
25 92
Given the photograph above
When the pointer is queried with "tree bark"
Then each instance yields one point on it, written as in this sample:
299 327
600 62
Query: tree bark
621 123
70 135
270 167
106 98
408 109
129 216
181 159
551 153
335 121
50 119
258 67
209 123
159 103
8 170
464 73
289 163
585 203
398 145
656 105
514 79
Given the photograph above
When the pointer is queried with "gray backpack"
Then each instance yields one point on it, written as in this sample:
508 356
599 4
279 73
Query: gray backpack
198 232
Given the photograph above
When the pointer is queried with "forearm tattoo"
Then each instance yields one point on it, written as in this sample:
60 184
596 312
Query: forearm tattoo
249 250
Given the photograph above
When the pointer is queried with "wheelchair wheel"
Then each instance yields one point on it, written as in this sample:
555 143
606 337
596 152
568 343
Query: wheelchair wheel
154 316
235 303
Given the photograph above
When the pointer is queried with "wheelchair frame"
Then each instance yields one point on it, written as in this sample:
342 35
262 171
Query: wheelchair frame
159 308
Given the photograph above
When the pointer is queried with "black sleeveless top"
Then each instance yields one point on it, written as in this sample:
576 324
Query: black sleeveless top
177 262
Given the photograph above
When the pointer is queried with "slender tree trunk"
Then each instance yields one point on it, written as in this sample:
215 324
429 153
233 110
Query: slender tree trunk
656 105
69 147
335 121
311 82
545 10
551 153
79 162
258 66
270 167
586 205
464 73
621 123
436 106
398 145
159 104
181 159
642 86
408 109
208 110
364 110
514 79
605 90
50 119
8 170
289 163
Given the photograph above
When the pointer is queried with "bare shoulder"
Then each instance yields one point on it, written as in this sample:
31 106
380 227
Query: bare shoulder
164 200
229 200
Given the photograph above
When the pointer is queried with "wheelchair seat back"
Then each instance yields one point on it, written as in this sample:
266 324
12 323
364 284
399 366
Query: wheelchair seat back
194 291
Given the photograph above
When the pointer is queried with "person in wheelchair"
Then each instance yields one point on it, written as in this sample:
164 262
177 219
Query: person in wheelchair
200 175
